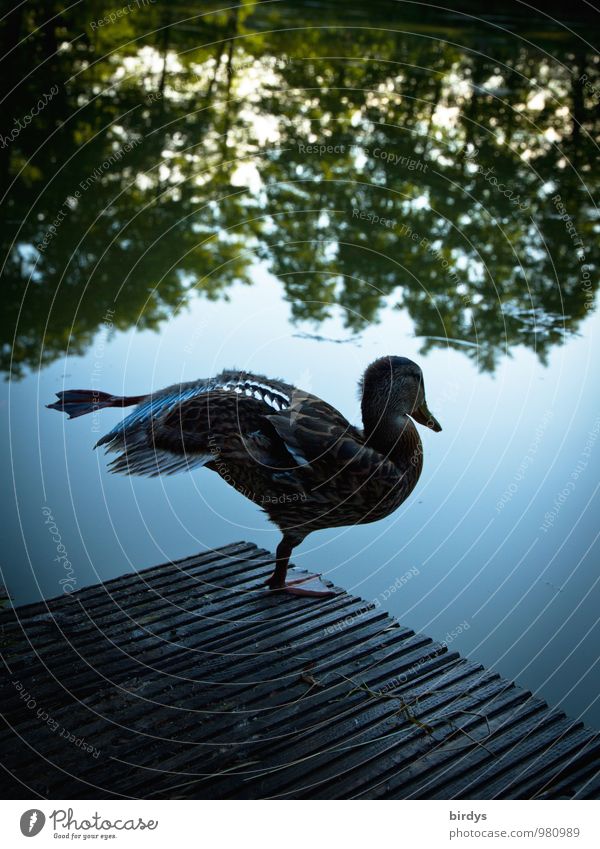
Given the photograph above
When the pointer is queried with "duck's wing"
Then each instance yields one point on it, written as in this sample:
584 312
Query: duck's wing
187 426
322 440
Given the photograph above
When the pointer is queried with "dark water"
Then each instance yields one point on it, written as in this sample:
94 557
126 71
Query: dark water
297 189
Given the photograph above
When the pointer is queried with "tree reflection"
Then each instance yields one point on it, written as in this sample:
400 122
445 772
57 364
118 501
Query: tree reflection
460 151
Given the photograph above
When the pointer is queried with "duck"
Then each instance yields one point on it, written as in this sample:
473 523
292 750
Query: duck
287 450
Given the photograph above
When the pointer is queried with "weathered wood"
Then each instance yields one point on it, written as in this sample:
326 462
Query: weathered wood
190 680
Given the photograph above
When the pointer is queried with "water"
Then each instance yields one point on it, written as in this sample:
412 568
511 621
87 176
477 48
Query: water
298 201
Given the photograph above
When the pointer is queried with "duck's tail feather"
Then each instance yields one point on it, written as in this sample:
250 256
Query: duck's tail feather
78 402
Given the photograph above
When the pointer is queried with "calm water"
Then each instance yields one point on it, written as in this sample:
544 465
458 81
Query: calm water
242 188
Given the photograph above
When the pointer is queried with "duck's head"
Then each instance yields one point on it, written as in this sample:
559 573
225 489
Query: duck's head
392 388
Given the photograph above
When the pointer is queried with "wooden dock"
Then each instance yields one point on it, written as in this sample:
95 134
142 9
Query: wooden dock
189 680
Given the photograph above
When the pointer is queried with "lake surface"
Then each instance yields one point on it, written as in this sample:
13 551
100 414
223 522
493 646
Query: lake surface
295 190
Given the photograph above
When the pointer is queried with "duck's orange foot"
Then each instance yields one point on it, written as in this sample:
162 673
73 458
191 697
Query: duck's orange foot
310 585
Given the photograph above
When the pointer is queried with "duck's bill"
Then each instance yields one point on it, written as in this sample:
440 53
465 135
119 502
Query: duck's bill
425 417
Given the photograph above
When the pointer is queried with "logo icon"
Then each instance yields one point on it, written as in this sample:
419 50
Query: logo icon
32 822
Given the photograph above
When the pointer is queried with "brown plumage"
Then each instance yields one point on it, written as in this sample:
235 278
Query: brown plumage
287 450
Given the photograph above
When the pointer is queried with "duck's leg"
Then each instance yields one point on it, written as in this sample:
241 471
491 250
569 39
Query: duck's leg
310 585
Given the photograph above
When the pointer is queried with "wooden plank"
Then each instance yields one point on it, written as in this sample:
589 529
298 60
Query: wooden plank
191 680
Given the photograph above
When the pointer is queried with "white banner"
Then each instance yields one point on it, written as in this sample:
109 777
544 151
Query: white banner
301 824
